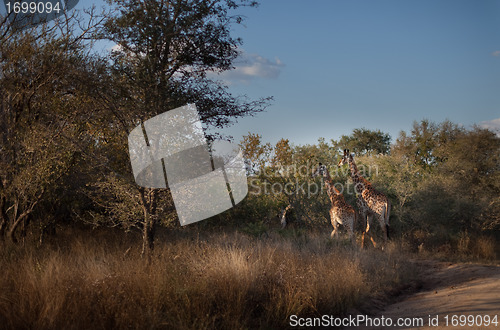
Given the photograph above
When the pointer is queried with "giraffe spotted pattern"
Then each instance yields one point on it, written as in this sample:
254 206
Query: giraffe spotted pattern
370 202
341 213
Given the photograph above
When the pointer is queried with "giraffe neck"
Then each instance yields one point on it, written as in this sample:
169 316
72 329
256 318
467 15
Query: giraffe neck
354 170
330 187
360 183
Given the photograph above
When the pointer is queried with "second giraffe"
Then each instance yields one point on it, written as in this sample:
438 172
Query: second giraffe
341 213
370 201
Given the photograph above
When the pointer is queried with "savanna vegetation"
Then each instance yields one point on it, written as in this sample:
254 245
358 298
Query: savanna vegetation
223 280
82 246
442 180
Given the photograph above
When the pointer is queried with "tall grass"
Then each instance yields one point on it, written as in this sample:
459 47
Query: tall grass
215 281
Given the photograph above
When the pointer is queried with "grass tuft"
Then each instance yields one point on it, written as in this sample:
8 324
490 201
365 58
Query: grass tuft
223 280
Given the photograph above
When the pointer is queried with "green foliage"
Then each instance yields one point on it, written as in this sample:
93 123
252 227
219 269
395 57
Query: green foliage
294 234
66 112
426 138
166 49
46 101
363 141
444 176
282 175
256 154
255 229
65 117
442 179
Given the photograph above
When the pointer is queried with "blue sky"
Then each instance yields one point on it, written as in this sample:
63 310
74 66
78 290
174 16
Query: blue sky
336 65
333 66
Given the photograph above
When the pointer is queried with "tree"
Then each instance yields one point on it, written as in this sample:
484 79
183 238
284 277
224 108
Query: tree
165 50
425 137
256 153
364 141
46 99
455 173
281 177
400 179
471 161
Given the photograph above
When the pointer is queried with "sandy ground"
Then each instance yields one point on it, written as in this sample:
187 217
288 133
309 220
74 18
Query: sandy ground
466 293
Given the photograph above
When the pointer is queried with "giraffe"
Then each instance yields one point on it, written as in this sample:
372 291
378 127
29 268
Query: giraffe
370 202
341 213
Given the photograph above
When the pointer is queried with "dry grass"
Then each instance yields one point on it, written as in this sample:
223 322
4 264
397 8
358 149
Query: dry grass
485 248
216 281
461 247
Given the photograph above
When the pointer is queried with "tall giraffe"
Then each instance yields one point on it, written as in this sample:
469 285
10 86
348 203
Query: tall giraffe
370 202
341 213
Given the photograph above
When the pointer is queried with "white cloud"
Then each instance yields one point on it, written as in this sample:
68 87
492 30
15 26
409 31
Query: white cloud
493 125
250 66
496 53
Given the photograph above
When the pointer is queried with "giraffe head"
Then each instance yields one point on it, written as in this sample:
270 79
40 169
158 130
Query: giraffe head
345 158
321 170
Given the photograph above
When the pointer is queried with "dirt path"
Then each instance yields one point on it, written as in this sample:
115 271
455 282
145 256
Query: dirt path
463 290
449 297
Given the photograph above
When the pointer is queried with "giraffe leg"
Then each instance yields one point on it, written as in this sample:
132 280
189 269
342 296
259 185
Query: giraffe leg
367 231
383 225
351 236
335 223
335 232
350 224
362 217
387 216
366 221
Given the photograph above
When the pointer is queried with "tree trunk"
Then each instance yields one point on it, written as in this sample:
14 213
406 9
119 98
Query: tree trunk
148 235
150 220
3 217
12 230
18 219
